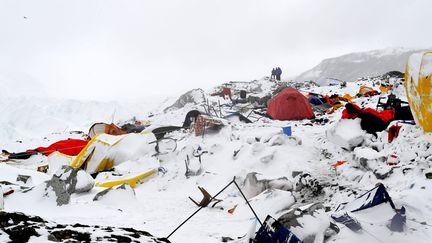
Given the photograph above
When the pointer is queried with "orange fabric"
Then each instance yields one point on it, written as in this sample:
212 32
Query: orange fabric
339 163
385 115
346 115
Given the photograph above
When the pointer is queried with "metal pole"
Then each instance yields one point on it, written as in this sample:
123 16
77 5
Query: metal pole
253 211
200 209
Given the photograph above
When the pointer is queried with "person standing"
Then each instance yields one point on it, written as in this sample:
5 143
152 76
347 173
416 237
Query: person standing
273 74
278 73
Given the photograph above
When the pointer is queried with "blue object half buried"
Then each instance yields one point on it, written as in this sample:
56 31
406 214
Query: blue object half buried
272 231
370 199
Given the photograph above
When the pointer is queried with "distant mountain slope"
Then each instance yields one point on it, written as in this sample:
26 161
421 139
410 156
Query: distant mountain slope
361 64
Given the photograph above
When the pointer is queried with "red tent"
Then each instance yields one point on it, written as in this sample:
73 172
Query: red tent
70 147
289 104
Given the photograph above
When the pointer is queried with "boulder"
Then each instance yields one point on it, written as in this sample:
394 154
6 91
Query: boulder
252 186
195 96
346 133
63 183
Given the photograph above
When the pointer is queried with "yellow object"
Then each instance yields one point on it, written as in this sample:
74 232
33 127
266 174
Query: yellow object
418 88
364 89
106 151
131 180
385 89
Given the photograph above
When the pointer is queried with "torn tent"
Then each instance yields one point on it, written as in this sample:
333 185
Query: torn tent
289 104
372 121
105 151
272 231
367 91
372 198
70 147
101 127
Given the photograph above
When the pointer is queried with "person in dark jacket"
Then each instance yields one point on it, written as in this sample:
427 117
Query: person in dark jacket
273 74
278 73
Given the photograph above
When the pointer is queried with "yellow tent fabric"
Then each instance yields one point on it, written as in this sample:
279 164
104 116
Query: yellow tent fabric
56 160
418 87
364 89
105 151
132 180
383 88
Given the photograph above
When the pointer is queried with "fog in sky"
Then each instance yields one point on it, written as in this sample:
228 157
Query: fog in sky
128 49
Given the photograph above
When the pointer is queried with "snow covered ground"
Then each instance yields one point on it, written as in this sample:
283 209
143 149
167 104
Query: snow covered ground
161 203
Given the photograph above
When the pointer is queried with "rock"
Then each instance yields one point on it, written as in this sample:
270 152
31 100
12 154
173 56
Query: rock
76 180
63 183
346 133
21 228
60 190
24 178
84 182
124 192
306 182
195 96
252 186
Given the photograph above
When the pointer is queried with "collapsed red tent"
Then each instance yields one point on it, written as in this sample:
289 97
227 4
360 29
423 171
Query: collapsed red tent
69 146
289 104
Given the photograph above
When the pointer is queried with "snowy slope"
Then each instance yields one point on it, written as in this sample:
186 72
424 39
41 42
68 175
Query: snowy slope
161 203
352 66
24 118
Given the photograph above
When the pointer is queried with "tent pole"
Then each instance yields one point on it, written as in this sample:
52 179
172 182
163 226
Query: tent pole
253 211
199 209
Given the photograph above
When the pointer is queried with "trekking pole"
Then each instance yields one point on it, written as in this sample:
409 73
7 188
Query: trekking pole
253 211
199 209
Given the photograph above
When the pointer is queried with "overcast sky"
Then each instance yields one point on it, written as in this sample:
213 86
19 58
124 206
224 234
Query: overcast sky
96 49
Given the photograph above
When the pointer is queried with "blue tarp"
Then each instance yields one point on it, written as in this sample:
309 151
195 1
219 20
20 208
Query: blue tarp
314 100
370 199
272 231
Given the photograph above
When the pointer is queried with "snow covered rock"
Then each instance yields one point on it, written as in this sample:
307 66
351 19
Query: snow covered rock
253 186
346 133
374 161
123 192
194 96
76 180
84 182
63 183
281 139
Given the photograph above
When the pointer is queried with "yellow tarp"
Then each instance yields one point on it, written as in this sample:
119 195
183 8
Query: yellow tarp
419 88
105 151
132 180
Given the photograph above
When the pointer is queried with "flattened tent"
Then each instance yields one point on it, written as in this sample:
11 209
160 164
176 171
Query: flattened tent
68 146
367 91
372 198
101 127
418 86
289 104
105 151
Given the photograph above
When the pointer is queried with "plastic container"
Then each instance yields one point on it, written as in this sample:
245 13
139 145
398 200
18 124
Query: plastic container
287 130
